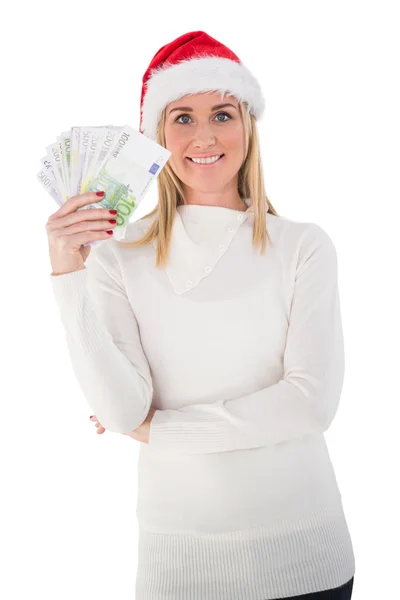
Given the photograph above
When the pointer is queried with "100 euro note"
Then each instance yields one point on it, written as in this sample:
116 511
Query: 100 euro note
134 162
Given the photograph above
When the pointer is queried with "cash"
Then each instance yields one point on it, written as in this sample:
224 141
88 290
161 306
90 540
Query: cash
118 160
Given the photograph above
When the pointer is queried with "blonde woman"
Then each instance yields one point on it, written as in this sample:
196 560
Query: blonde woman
212 335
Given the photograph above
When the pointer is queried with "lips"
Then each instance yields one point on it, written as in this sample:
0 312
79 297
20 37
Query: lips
206 164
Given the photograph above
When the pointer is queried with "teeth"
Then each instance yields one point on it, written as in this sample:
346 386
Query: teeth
205 161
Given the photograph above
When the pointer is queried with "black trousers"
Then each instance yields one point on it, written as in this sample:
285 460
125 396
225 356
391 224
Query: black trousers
342 592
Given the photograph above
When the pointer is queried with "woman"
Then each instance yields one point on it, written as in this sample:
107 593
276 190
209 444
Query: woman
213 336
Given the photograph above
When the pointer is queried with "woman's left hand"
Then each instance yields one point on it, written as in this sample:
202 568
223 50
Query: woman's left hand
141 434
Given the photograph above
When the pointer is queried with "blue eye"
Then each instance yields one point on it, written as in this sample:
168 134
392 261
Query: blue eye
226 114
186 115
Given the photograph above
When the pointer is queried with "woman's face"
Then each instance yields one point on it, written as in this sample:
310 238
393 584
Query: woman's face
198 128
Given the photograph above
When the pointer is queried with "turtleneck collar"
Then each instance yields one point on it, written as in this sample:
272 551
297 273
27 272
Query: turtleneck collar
201 234
214 215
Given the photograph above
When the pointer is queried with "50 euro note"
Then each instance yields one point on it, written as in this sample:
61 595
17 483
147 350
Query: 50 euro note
130 168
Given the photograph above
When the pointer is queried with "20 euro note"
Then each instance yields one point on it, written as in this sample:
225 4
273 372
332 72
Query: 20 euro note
134 162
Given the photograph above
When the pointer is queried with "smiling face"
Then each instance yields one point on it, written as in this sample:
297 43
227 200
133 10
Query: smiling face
203 126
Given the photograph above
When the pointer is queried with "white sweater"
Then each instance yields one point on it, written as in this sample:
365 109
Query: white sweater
243 356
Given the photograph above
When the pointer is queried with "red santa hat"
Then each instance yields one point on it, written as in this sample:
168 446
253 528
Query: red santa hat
191 64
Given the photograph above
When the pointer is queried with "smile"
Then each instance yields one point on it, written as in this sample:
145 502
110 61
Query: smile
205 165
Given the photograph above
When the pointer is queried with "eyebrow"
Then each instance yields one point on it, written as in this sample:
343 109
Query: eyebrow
189 109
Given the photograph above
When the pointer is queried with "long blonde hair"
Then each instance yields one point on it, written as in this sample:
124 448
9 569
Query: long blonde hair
170 194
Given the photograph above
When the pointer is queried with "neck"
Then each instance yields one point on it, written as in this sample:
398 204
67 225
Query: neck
224 199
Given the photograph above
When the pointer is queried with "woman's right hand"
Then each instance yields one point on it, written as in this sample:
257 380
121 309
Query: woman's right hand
100 428
69 228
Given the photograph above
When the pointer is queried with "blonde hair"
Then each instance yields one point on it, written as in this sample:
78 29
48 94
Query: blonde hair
170 194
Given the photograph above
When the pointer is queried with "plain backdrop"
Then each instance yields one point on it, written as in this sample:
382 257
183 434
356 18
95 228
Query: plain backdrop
330 149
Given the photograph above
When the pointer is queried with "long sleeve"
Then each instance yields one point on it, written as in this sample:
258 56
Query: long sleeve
305 401
104 341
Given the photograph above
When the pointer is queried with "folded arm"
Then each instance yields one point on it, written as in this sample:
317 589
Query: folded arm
305 401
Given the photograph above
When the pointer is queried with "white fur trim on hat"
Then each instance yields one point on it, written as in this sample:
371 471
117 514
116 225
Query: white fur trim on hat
195 76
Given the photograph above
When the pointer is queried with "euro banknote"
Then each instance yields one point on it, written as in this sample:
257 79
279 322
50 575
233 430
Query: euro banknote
118 160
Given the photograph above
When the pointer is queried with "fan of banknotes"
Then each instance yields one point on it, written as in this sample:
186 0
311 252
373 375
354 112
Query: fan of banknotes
118 160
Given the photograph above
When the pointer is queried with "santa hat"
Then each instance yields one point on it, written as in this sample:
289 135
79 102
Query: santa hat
191 64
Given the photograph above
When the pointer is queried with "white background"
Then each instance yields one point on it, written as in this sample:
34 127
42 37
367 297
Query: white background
330 143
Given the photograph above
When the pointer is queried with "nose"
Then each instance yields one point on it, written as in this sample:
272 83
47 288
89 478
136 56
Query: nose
203 136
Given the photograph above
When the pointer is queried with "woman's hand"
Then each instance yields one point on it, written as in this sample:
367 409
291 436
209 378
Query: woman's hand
100 428
70 227
141 434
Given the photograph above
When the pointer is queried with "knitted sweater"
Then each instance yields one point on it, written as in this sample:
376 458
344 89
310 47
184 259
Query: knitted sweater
242 355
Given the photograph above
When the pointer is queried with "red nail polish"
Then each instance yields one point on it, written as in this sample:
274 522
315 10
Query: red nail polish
99 193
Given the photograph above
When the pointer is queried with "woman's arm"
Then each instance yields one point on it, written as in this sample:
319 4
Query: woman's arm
305 401
104 341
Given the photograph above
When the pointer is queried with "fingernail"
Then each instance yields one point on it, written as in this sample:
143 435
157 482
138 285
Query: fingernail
99 193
